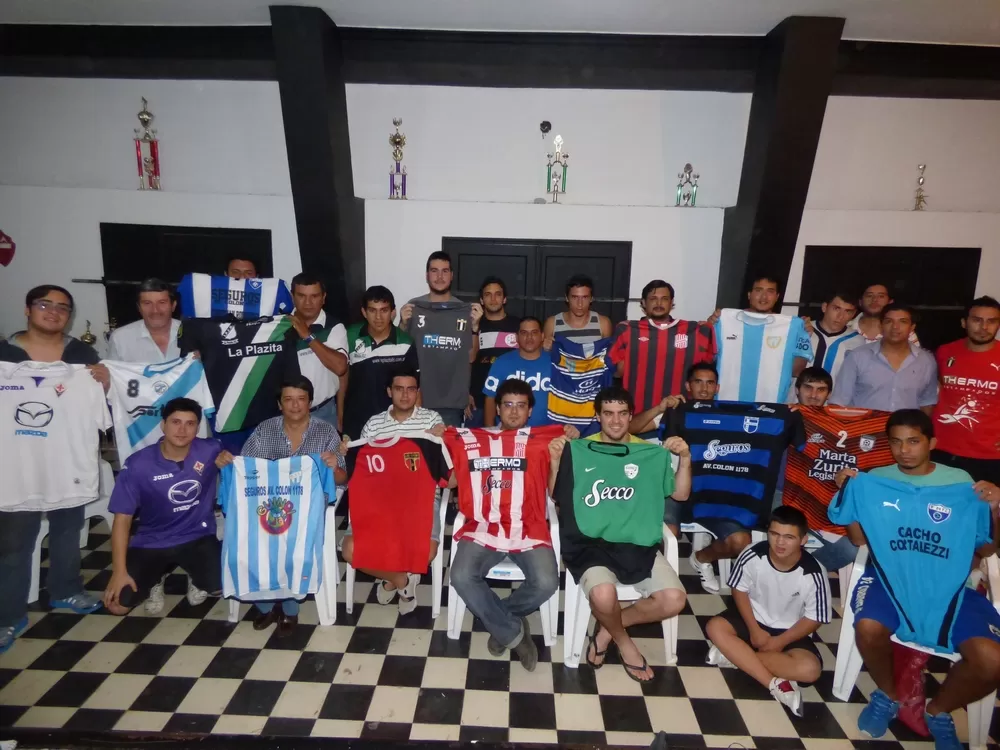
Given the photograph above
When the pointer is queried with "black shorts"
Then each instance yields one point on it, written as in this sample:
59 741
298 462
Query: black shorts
978 468
201 559
734 618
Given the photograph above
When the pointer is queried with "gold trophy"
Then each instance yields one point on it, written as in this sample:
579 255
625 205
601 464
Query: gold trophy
88 338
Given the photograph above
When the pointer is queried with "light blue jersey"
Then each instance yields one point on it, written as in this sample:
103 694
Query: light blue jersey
921 543
275 514
756 355
204 296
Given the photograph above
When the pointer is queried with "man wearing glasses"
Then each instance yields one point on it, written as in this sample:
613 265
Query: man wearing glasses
48 309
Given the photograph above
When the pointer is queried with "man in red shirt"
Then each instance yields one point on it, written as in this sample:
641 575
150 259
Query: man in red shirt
967 414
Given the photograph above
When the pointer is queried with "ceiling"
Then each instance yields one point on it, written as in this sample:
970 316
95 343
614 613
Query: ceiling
974 22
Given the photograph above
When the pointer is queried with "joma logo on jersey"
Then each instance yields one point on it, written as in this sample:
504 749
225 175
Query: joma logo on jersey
598 493
11 387
499 463
717 448
275 515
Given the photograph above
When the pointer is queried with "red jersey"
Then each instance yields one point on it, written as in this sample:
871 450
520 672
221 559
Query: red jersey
392 488
503 478
657 359
967 414
838 437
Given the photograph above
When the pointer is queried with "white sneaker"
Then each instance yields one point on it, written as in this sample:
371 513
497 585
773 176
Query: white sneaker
716 658
408 596
154 604
787 693
709 581
384 595
195 595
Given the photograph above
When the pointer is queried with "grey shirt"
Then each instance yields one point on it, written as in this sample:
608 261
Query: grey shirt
867 380
442 337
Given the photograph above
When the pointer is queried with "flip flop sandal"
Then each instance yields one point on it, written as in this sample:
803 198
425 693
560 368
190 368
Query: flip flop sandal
592 641
630 669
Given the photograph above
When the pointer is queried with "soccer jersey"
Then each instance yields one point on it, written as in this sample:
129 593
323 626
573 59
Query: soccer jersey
275 517
204 296
736 452
656 359
139 392
392 488
756 354
535 372
579 372
780 598
921 542
245 363
838 437
175 501
503 480
372 365
967 414
50 417
829 349
496 338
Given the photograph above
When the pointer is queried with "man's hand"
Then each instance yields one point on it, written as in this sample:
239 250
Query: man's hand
404 314
470 407
677 446
223 459
570 431
987 491
759 639
773 645
437 430
113 592
330 459
712 319
556 447
342 448
300 327
101 374
477 313
843 475
670 402
807 322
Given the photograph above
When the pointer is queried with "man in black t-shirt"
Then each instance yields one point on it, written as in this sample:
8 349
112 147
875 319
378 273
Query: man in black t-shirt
497 335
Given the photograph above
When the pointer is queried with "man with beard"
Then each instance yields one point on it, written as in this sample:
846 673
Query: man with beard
653 355
497 336
445 331
868 323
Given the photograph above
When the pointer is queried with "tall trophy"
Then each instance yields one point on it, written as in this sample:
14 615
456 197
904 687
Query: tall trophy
556 169
147 151
397 172
687 187
920 197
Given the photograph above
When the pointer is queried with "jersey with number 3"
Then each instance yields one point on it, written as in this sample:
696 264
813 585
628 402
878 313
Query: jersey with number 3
139 392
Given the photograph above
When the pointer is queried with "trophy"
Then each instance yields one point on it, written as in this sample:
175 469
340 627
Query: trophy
687 187
147 151
110 326
88 337
919 198
397 173
555 179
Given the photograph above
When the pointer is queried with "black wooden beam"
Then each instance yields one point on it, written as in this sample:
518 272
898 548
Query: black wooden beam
328 217
793 82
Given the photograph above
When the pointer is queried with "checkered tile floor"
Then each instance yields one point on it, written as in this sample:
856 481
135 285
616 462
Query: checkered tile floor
376 675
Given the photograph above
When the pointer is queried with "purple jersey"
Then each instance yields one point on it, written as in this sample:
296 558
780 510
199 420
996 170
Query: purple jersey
175 501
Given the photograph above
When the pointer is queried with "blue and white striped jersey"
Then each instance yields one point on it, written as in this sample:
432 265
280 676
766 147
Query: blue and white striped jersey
756 353
204 296
275 513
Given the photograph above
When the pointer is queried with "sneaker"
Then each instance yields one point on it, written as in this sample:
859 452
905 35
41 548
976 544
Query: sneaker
495 647
881 709
526 650
384 595
408 596
195 595
154 604
709 581
942 728
11 632
787 694
716 658
82 604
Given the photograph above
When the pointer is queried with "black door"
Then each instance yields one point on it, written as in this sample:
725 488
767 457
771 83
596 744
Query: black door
937 281
607 263
511 260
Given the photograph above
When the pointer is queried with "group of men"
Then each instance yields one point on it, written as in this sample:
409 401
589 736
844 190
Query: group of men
451 366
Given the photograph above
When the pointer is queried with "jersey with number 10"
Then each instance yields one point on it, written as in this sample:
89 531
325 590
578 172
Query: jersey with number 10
756 355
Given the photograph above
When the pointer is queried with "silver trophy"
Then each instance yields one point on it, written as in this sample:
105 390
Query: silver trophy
687 187
920 198
556 169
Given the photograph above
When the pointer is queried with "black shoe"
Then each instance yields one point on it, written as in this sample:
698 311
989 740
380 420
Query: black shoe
286 626
266 619
526 650
495 647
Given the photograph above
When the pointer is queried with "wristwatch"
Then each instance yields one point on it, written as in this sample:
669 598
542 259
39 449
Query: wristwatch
309 339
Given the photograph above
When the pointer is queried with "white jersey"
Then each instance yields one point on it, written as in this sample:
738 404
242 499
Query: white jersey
756 354
781 598
204 296
275 515
139 392
51 415
829 349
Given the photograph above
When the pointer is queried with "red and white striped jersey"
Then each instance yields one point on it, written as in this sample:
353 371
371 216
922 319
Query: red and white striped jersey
502 483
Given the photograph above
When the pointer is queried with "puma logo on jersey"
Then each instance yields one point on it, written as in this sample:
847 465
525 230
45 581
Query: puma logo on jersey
995 366
887 504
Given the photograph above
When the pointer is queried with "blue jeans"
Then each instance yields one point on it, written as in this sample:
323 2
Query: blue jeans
834 555
451 417
18 534
502 617
289 607
327 412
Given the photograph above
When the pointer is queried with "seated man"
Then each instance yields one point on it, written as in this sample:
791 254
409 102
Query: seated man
402 417
919 544
171 485
501 477
781 597
611 489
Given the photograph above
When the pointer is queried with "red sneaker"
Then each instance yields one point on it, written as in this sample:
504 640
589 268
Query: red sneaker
908 670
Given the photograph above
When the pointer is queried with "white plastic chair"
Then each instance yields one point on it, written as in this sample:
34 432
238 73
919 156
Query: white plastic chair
849 659
507 570
577 612
326 596
437 567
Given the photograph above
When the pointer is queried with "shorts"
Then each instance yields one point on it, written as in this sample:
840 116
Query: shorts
435 525
661 577
201 559
978 468
721 528
675 512
734 618
976 617
833 555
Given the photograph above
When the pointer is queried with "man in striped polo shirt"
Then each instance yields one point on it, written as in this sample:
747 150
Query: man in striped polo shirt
403 415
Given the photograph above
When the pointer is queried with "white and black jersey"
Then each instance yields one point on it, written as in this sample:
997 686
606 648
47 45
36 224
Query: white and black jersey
782 598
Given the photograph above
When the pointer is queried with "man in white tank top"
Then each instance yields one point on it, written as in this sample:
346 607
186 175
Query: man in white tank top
579 323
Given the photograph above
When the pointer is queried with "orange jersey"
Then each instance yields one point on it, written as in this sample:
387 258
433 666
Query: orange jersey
837 437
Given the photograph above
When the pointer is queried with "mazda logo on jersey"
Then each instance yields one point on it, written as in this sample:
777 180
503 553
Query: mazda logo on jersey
184 492
33 415
750 424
